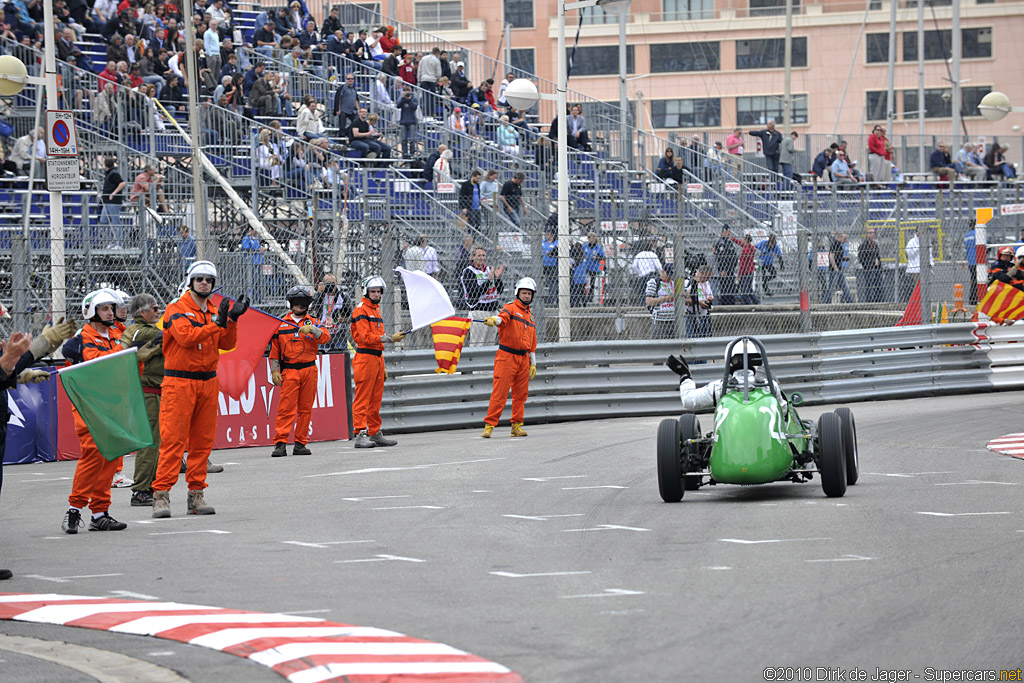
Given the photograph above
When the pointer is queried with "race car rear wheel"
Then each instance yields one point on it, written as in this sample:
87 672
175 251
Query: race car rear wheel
831 460
670 466
689 428
849 445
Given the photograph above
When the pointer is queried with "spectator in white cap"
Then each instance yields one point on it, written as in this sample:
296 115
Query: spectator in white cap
460 83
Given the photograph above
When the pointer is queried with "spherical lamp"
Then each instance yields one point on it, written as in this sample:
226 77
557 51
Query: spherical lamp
12 67
994 106
522 93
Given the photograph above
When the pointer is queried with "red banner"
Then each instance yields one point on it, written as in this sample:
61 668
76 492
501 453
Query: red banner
249 421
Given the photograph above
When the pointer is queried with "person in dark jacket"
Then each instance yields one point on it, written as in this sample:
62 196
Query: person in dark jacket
460 83
727 261
346 103
822 163
407 118
771 141
470 199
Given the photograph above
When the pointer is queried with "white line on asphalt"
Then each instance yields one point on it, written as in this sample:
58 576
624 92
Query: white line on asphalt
68 579
413 507
481 491
961 514
845 558
160 521
772 540
360 500
976 481
308 611
580 488
291 651
718 569
608 593
905 474
152 625
225 638
371 470
381 558
606 527
323 544
510 575
542 518
161 653
567 476
36 481
198 531
136 596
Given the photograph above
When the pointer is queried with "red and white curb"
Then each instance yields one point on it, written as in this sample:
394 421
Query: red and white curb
302 649
1011 445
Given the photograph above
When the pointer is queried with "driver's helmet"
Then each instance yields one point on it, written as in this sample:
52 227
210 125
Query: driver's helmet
734 359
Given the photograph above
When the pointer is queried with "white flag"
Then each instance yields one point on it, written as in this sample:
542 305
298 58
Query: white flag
428 300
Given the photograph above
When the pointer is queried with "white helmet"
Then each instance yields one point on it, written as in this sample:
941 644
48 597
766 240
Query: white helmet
734 359
1019 253
201 268
374 281
123 295
526 283
95 299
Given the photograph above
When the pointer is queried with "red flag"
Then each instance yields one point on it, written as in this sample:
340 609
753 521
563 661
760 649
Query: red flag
236 366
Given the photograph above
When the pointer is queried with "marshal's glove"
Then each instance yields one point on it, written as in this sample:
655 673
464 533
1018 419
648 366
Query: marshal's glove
678 365
154 347
275 378
385 374
57 333
492 321
34 376
222 312
533 372
311 330
240 307
397 337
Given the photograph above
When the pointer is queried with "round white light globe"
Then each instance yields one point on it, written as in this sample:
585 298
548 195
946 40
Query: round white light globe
994 106
522 93
11 66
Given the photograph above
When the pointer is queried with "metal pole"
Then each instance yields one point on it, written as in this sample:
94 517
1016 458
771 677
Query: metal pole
625 147
789 65
564 322
202 230
58 306
508 46
890 98
21 253
955 102
802 279
920 87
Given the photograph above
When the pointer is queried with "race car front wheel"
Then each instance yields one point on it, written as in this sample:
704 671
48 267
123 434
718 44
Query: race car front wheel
831 460
670 466
849 445
689 428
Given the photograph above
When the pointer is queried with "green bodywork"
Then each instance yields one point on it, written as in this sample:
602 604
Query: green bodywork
751 444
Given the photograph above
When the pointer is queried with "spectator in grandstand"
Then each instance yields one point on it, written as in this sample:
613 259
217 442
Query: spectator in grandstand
104 107
879 156
445 94
263 98
407 107
871 266
941 164
838 258
251 243
745 272
771 141
65 44
593 254
549 264
489 188
508 137
392 61
734 143
726 262
21 154
511 197
381 99
462 258
222 89
787 154
478 96
108 75
308 122
698 298
332 23
388 37
443 167
518 119
111 199
823 164
970 163
301 169
211 45
265 39
768 250
660 299
996 164
577 129
460 83
116 51
429 164
457 121
429 72
236 94
578 275
840 170
146 70
346 103
149 178
470 200
365 141
173 95
407 71
267 159
375 49
473 120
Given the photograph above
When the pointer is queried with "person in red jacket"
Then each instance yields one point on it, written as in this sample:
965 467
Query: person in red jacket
193 340
515 363
93 472
746 270
293 368
368 365
879 156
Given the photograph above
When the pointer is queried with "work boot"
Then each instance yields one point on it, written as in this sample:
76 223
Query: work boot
363 440
161 504
300 449
280 450
106 523
487 431
213 469
517 429
379 439
141 499
6 574
197 504
72 520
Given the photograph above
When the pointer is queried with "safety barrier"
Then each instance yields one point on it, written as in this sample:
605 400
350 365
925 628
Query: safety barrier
589 380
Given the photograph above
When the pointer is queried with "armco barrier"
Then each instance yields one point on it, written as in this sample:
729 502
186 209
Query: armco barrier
589 380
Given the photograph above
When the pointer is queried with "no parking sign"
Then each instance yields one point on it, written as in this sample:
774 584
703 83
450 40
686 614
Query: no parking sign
61 139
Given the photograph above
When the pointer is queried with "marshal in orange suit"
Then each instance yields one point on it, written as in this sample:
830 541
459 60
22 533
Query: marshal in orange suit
515 364
293 368
368 365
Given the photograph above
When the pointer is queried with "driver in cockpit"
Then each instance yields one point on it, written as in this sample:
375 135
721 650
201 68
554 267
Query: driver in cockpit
708 395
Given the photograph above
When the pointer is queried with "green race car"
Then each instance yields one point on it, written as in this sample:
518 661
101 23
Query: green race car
758 436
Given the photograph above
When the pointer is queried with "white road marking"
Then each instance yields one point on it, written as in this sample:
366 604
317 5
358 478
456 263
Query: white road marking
162 653
67 579
323 544
136 596
1010 451
44 597
580 488
36 481
567 476
225 638
381 558
372 470
542 518
771 540
148 626
608 593
976 481
606 527
197 531
161 521
481 491
718 569
62 614
292 651
905 474
360 500
307 611
961 514
332 672
413 507
845 558
510 575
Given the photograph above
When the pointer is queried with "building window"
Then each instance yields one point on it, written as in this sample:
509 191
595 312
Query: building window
523 61
977 42
688 10
769 53
596 15
438 16
756 111
875 105
938 102
697 113
685 57
519 13
600 60
766 8
877 48
937 45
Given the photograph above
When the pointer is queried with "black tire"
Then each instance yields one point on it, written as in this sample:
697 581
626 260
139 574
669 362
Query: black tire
689 428
849 445
670 466
831 460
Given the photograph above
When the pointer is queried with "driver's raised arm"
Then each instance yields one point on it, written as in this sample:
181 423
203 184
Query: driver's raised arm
698 399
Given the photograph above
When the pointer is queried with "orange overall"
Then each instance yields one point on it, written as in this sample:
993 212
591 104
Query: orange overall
367 367
297 355
517 339
188 401
93 473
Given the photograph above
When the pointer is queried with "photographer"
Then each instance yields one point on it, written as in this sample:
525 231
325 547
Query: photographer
330 308
699 300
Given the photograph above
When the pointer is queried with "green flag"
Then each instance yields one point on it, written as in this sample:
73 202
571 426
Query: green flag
107 393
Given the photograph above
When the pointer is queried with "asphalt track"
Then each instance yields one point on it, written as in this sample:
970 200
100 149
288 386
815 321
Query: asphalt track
555 556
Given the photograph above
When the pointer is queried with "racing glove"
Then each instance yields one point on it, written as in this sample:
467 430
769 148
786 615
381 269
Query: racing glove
222 312
678 365
240 307
34 376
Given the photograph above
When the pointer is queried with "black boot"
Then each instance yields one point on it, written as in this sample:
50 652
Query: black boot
6 574
142 499
300 449
280 450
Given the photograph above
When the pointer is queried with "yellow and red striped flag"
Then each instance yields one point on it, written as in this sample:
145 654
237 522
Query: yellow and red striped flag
449 336
1002 302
